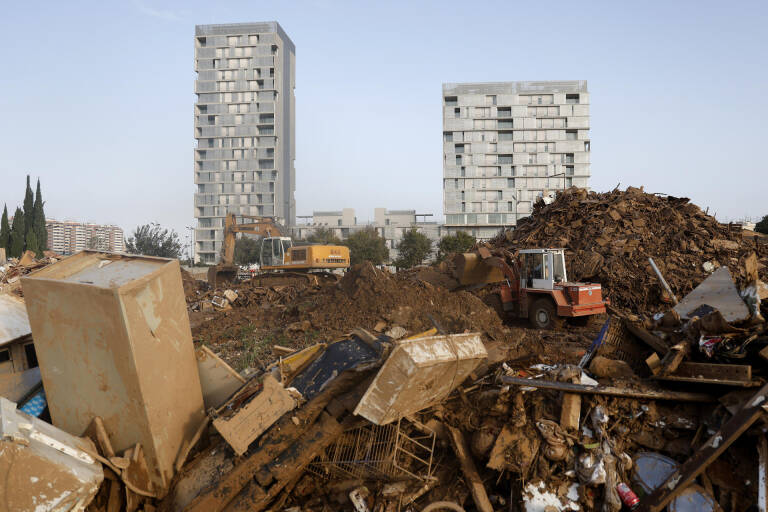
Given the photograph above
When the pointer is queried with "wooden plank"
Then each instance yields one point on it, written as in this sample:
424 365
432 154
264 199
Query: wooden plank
652 394
708 373
648 338
705 455
470 471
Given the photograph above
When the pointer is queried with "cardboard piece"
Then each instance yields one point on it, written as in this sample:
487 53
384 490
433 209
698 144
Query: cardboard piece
43 468
420 373
252 419
719 292
217 379
113 340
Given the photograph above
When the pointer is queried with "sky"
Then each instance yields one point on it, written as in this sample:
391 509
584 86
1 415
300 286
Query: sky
97 98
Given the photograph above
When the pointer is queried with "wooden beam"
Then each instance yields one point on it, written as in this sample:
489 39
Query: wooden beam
476 485
651 394
716 445
708 373
648 338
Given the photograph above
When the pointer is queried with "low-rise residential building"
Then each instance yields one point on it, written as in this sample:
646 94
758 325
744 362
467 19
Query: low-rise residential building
390 224
69 237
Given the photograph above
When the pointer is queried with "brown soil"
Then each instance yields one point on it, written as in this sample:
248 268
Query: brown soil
609 237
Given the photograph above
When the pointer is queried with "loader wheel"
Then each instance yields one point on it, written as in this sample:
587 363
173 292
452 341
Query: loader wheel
543 314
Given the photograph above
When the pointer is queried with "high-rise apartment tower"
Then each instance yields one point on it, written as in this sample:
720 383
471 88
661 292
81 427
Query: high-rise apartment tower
244 128
507 143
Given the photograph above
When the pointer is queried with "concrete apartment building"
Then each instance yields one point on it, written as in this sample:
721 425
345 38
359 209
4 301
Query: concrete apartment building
68 237
507 143
390 224
244 128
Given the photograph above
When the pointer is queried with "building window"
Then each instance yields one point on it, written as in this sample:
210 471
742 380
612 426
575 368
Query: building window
504 112
459 148
538 100
510 206
568 182
510 182
568 158
572 99
505 136
458 160
456 112
448 136
490 99
570 134
569 170
463 171
531 158
505 125
586 146
451 101
463 207
505 159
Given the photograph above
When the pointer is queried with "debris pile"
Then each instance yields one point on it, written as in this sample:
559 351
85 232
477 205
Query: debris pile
611 235
12 270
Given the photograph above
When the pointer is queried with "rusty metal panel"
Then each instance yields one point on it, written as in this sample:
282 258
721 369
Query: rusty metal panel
113 340
420 373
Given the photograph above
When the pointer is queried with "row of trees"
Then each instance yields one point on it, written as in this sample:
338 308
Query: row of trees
27 230
367 245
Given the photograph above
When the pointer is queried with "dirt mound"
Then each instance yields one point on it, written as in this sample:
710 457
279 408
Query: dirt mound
609 237
367 296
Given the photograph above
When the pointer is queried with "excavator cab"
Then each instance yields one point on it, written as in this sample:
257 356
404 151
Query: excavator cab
273 250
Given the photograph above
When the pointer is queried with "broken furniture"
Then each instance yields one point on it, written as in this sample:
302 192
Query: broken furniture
113 340
419 373
43 468
217 379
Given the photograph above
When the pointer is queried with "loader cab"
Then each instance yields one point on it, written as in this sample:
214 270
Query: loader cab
542 269
273 250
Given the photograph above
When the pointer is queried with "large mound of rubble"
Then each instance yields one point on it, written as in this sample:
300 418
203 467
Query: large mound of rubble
611 235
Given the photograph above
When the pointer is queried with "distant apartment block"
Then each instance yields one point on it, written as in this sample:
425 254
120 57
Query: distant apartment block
67 237
505 144
390 224
244 128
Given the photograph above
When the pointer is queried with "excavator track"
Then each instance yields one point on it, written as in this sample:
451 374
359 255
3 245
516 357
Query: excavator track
281 278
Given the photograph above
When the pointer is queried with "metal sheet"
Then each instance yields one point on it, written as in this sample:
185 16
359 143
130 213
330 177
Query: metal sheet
719 292
420 373
114 341
14 322
43 468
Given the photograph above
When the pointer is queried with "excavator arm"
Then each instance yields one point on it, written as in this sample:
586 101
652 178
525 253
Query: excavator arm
263 226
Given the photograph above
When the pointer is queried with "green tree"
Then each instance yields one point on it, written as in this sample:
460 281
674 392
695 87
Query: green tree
17 234
31 241
5 230
247 251
367 245
762 226
458 243
152 240
412 249
39 219
29 212
323 235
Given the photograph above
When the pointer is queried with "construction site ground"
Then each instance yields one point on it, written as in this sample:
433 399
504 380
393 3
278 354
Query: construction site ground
664 400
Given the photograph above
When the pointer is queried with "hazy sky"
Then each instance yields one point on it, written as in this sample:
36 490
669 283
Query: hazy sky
97 97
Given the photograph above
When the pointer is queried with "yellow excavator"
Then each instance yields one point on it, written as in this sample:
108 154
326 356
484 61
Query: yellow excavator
276 253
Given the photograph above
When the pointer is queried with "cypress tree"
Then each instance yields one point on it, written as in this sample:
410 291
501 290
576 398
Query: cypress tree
17 234
5 230
32 243
39 220
29 211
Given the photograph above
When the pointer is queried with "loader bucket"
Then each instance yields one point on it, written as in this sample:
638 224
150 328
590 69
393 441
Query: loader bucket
470 269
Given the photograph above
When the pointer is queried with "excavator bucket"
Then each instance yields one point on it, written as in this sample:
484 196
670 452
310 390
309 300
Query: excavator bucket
221 275
471 269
